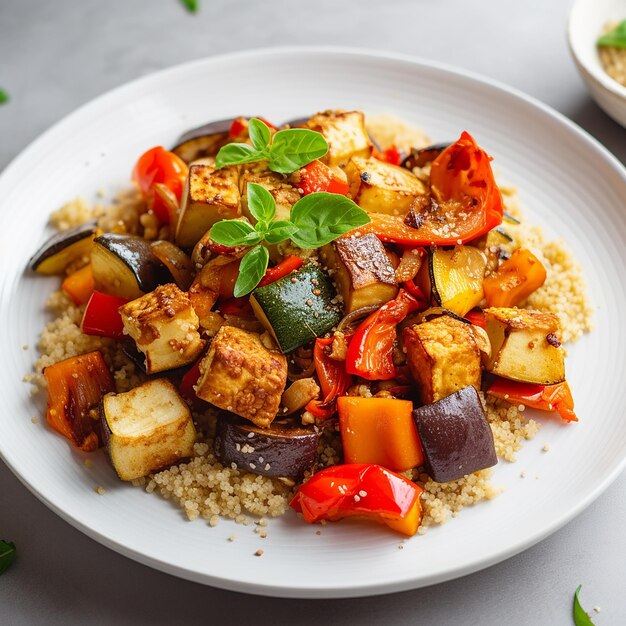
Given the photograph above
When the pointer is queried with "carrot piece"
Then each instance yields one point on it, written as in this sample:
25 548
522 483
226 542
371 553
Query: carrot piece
379 431
515 279
75 388
79 285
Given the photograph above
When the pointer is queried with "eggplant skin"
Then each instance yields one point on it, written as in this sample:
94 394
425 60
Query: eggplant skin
456 436
62 248
423 156
285 449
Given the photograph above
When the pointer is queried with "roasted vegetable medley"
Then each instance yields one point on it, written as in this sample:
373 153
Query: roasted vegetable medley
301 280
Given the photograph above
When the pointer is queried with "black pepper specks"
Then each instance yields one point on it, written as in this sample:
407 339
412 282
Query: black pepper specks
366 177
553 340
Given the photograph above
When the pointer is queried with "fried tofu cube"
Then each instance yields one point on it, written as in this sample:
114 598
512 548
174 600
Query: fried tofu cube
442 356
164 327
210 195
345 133
361 270
239 374
283 192
525 345
380 187
147 428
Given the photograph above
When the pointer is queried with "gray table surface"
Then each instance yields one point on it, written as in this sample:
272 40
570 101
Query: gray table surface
56 55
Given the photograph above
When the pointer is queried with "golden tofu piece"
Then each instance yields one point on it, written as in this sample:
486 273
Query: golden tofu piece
239 374
283 192
442 356
345 133
361 270
210 195
380 187
147 428
164 327
525 345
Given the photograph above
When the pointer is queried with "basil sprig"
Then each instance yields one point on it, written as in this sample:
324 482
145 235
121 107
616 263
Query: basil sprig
315 220
286 152
580 615
191 5
7 555
615 38
4 96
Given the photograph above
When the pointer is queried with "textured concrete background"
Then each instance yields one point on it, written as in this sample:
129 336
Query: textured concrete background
54 56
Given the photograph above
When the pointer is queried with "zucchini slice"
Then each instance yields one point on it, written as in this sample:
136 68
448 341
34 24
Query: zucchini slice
297 308
456 277
63 248
125 266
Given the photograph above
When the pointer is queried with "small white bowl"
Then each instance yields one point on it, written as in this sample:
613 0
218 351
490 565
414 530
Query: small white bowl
586 21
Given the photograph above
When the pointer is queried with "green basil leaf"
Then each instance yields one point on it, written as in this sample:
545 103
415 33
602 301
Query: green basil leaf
281 230
252 269
294 148
261 203
191 5
615 38
235 153
7 555
259 134
322 217
234 233
580 615
4 96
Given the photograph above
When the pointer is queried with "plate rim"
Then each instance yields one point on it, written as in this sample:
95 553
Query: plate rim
364 55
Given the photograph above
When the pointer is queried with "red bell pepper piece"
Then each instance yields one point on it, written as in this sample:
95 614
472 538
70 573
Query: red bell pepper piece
465 202
391 155
417 293
369 491
334 380
287 266
240 307
370 353
543 397
157 165
102 316
187 384
476 317
316 176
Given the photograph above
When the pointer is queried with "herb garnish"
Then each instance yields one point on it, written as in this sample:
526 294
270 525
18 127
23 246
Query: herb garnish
315 220
286 152
615 38
191 5
7 555
4 96
580 616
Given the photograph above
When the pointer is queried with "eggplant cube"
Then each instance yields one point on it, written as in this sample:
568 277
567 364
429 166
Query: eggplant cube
285 195
525 346
147 428
285 449
381 187
210 195
345 133
125 266
455 435
164 327
443 357
239 374
362 271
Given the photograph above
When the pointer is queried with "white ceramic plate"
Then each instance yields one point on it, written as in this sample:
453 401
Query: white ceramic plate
569 183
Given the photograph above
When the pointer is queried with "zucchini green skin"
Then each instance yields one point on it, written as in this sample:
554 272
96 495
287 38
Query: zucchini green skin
298 307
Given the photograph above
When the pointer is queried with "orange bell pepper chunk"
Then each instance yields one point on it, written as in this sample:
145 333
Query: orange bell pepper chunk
515 280
75 387
408 524
379 431
79 285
